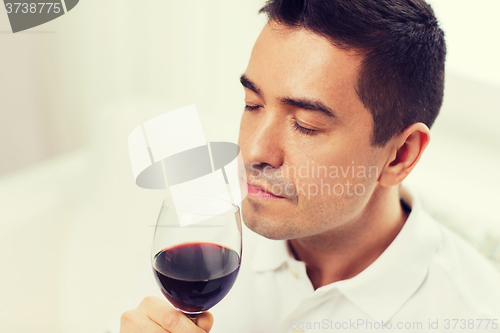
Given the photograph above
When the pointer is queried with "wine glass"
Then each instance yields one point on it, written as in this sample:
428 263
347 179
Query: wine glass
196 251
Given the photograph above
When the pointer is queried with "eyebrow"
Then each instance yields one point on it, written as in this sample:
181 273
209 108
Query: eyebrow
247 83
303 103
308 104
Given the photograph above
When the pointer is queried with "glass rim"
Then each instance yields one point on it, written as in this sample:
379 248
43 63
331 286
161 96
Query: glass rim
234 209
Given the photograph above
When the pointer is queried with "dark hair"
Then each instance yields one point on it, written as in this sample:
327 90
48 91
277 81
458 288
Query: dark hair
401 78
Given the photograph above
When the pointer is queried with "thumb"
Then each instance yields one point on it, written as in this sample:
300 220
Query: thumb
205 321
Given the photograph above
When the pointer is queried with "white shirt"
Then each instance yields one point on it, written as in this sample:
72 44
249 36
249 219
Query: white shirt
427 280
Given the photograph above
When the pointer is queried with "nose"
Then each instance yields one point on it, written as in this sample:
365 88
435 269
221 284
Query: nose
263 145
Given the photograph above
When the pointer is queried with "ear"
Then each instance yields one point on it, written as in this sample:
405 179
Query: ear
405 150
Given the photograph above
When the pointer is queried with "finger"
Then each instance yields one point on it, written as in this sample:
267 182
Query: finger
132 322
162 313
205 321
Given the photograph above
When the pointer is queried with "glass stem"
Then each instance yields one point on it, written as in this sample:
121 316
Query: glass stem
192 316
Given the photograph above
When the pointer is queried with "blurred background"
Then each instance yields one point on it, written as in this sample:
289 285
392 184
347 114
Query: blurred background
74 227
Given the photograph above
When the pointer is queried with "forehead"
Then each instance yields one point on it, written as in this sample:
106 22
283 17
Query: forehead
296 62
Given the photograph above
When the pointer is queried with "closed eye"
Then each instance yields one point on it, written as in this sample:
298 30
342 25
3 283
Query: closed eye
251 108
296 126
306 131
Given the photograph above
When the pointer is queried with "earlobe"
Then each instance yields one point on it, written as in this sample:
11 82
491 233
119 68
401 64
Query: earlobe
408 147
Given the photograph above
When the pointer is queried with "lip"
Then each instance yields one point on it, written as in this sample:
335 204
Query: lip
260 192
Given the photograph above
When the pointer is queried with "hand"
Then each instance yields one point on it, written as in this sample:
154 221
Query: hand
155 315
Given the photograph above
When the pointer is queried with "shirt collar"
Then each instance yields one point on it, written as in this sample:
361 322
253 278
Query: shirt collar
383 287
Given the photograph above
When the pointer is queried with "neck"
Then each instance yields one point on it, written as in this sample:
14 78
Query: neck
346 251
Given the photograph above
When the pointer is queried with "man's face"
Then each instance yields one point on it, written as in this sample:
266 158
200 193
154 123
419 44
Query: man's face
322 166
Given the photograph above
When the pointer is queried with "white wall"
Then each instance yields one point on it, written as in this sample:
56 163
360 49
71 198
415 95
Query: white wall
103 51
471 29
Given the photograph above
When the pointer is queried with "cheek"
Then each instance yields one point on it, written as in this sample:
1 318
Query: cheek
336 190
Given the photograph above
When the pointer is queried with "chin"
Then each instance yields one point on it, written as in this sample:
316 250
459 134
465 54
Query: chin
267 228
269 233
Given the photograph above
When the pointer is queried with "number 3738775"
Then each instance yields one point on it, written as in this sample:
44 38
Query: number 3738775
33 8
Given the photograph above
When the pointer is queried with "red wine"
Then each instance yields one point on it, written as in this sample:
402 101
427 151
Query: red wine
196 276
